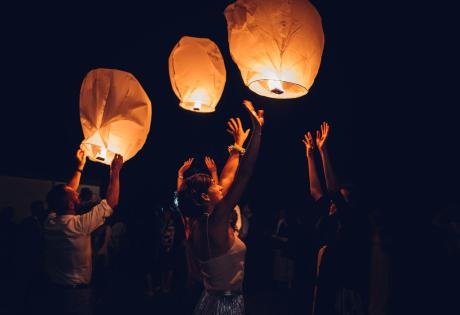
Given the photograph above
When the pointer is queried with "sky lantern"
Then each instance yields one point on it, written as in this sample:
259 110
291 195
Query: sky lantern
115 114
277 45
197 73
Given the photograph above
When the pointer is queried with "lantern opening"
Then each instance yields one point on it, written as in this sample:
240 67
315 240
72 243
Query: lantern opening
277 88
197 106
102 154
98 153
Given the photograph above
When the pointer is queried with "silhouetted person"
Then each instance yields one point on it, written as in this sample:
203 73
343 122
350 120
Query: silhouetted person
342 262
30 280
7 248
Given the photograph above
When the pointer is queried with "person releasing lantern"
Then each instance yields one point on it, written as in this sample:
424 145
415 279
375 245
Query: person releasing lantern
197 73
276 44
115 115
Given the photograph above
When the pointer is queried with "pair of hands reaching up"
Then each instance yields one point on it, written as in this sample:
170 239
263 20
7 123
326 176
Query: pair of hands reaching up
210 164
80 157
235 128
321 139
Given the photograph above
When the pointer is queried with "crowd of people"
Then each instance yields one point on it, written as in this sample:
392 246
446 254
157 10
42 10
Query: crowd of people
205 252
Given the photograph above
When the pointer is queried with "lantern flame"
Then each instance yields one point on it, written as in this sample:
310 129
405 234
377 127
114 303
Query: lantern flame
197 106
275 86
102 154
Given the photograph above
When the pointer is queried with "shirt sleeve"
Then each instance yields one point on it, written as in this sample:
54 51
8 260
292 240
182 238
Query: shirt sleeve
91 220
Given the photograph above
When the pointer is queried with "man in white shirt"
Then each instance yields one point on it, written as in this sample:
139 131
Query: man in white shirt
68 251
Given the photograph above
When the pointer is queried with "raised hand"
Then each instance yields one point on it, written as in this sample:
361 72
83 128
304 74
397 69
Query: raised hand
235 128
210 164
309 144
259 115
185 167
321 137
80 156
117 163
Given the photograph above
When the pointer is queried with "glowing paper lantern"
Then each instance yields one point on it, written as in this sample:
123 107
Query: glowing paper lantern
197 73
277 45
115 114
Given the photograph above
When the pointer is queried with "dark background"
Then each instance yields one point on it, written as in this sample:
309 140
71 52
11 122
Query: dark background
386 85
382 86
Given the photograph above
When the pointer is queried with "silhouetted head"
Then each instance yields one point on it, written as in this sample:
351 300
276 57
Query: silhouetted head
86 195
199 194
63 200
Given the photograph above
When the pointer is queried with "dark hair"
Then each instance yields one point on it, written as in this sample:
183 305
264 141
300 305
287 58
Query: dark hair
57 198
190 202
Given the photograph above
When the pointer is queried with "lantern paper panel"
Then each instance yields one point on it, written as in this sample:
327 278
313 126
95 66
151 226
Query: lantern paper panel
197 73
276 44
115 115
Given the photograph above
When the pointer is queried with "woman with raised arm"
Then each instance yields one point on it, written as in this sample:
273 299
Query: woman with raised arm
212 240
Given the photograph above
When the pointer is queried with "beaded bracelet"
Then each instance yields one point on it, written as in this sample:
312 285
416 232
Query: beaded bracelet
239 149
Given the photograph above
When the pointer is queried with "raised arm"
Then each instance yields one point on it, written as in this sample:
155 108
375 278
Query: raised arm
113 190
80 158
315 187
182 170
225 207
321 141
211 165
235 128
91 220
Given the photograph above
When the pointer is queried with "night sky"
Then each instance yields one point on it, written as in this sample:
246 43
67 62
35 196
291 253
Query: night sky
383 85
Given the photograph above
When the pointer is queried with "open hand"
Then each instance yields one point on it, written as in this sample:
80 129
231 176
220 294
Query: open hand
235 128
321 137
308 141
185 167
210 164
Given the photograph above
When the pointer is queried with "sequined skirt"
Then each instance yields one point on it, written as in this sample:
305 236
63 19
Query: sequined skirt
220 303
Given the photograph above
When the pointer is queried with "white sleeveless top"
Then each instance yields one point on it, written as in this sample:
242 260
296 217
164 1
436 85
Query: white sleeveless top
225 272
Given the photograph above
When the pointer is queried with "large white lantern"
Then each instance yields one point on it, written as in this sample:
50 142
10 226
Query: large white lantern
115 114
197 73
277 45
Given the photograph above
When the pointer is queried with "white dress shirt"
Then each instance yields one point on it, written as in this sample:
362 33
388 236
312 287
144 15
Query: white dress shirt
68 244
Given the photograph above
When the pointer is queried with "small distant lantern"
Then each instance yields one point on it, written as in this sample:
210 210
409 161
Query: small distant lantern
277 45
115 114
197 73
